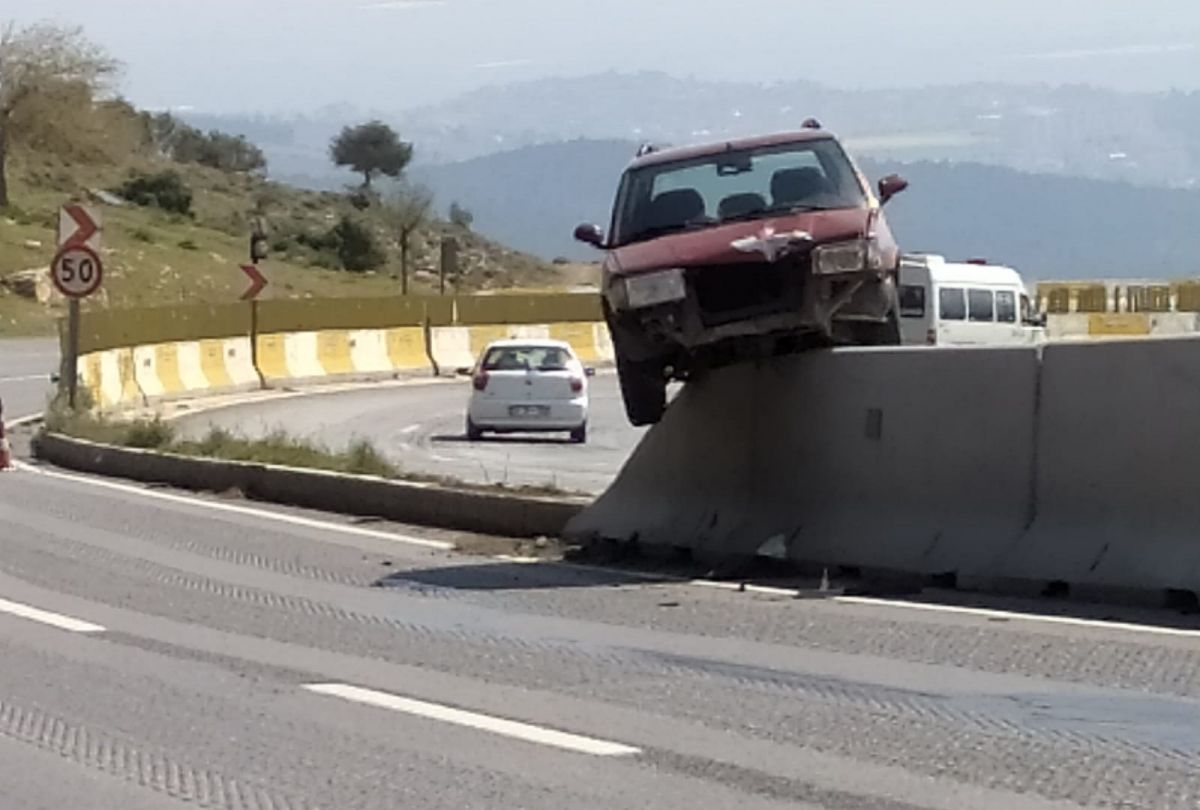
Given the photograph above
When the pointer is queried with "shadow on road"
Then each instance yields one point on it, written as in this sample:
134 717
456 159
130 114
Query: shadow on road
510 576
515 438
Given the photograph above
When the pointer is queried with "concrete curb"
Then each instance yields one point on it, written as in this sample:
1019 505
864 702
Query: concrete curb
24 421
401 501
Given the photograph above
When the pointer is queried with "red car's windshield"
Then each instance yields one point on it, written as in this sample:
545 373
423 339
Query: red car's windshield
738 184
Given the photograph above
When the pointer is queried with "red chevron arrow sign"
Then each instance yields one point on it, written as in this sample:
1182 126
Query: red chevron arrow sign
78 226
257 282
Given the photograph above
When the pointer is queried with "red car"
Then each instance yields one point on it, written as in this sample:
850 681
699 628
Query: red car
742 249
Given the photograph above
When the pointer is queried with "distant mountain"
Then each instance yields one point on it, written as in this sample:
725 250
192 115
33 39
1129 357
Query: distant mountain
1046 225
1142 138
537 195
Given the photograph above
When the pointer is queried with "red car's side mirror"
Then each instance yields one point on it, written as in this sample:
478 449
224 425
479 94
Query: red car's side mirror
890 186
590 235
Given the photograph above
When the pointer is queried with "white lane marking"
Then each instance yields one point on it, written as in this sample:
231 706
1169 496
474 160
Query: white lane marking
991 613
410 429
279 517
747 587
26 378
46 617
482 722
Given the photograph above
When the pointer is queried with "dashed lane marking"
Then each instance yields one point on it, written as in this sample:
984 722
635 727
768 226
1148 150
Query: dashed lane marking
481 722
58 620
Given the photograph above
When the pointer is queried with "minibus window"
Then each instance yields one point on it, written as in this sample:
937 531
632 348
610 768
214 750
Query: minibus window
953 306
912 301
980 305
1006 307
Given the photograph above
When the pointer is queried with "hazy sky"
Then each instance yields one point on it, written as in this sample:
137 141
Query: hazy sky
296 55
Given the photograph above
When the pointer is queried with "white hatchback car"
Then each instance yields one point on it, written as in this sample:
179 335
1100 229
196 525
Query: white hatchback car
528 386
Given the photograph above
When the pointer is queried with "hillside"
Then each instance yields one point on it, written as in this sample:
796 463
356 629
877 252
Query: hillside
154 258
1047 225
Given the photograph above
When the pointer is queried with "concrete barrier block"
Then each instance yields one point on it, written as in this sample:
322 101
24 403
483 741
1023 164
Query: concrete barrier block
495 513
192 372
145 364
369 351
406 349
688 483
917 460
239 363
1118 443
450 347
302 355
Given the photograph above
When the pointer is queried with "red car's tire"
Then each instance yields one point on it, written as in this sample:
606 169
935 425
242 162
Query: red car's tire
644 391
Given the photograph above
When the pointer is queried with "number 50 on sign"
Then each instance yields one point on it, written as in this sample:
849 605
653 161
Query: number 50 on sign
77 271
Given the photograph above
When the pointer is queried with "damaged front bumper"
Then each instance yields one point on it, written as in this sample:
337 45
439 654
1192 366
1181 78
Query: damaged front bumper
688 311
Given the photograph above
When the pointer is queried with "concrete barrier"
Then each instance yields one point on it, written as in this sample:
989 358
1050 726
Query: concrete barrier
450 348
109 378
489 512
688 482
1120 325
1118 470
909 459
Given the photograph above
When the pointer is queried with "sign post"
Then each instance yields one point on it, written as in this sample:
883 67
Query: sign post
77 272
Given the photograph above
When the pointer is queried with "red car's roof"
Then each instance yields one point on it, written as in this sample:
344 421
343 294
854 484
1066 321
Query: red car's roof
704 150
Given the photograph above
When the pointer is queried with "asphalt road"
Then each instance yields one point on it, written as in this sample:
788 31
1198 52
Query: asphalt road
421 428
161 650
25 369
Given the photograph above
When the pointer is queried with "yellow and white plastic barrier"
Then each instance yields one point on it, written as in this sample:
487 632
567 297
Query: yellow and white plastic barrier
454 347
133 357
341 353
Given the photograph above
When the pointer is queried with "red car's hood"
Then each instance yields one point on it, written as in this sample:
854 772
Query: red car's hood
713 245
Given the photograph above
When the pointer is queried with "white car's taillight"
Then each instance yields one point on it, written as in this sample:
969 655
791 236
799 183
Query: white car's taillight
480 381
576 385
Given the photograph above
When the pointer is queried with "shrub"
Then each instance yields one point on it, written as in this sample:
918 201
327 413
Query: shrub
165 190
357 246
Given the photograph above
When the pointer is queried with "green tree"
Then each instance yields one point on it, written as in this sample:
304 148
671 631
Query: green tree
371 149
406 212
38 61
461 217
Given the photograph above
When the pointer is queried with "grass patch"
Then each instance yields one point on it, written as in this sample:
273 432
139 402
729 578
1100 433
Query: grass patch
146 434
280 448
360 458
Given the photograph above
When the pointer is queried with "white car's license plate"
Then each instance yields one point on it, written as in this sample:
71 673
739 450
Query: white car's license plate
528 410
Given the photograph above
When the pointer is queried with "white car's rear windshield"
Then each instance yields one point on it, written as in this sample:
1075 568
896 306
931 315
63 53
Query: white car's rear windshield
523 358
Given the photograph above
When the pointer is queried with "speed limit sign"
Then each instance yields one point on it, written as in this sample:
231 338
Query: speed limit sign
77 271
